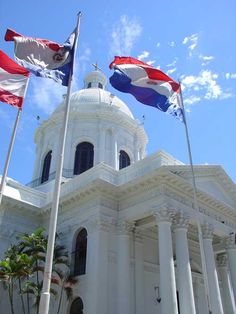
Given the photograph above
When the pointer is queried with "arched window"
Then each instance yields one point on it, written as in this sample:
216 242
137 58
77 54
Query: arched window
83 157
89 85
46 167
100 85
124 160
80 253
77 306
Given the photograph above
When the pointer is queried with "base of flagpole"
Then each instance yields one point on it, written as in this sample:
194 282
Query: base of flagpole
44 303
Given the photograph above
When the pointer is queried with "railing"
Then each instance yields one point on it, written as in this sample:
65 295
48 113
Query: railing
66 173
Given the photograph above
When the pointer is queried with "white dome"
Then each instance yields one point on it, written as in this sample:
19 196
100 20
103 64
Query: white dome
93 98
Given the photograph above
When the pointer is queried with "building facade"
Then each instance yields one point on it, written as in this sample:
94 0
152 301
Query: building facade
129 220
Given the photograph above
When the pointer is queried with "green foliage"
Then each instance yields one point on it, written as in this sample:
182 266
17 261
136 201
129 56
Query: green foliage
23 267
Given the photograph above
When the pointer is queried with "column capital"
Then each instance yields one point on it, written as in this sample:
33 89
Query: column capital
163 215
222 260
100 222
180 221
230 241
207 231
124 227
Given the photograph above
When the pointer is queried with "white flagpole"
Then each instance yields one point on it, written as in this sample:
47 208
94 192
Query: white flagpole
196 207
45 295
9 153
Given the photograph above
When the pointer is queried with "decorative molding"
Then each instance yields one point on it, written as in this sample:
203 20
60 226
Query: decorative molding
100 222
124 227
222 260
163 215
207 231
230 242
180 221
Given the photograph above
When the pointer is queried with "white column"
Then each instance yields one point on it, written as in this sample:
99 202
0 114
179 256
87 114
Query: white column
101 148
114 151
226 290
136 149
214 289
139 273
231 250
97 265
124 268
167 272
184 275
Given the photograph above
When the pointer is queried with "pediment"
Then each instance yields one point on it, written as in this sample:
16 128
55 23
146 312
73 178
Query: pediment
212 180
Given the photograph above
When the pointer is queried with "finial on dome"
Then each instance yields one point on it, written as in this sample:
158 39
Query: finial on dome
95 65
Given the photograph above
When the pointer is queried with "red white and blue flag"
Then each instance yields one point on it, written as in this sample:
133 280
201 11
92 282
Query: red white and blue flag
43 57
148 85
13 81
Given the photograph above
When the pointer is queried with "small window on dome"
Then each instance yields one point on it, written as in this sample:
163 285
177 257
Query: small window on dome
100 85
46 167
124 160
89 85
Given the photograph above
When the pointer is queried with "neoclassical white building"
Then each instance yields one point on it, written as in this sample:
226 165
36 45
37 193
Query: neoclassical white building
127 219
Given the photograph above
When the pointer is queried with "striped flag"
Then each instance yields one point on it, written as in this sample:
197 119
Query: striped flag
13 81
148 85
43 57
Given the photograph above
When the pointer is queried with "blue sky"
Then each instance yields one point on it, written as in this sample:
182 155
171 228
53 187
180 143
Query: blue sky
193 41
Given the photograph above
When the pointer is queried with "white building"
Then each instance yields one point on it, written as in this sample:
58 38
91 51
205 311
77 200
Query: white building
129 220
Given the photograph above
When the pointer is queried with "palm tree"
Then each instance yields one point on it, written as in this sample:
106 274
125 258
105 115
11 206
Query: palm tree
24 267
67 282
14 267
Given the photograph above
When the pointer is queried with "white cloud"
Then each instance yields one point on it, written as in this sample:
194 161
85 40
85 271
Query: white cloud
124 34
151 62
230 76
158 45
205 59
172 64
143 55
170 71
204 82
192 41
191 100
46 94
171 44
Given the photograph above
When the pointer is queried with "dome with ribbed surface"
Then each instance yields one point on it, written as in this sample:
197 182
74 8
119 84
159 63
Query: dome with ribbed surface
94 96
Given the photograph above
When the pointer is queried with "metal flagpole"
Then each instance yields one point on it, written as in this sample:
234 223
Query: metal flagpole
9 153
45 296
196 207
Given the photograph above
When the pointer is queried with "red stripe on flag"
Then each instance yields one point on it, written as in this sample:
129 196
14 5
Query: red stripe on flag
153 74
10 34
10 66
11 99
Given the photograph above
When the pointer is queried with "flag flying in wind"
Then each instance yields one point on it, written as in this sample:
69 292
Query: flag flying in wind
13 81
43 57
148 85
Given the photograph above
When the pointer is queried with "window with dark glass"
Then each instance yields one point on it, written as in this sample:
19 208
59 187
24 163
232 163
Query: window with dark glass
83 157
89 85
100 85
77 306
46 167
80 253
124 160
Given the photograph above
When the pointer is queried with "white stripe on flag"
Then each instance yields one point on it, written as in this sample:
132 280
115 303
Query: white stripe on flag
13 83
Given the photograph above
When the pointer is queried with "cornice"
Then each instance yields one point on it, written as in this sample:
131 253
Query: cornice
111 114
